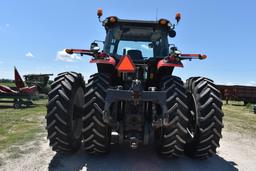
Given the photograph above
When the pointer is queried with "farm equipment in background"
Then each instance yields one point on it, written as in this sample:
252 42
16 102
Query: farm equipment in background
247 94
40 80
19 95
134 98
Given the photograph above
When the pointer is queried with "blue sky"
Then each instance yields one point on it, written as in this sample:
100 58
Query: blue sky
33 33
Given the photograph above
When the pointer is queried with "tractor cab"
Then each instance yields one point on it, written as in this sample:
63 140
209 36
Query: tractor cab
138 39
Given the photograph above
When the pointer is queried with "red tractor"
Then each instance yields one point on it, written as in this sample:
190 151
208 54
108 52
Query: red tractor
134 98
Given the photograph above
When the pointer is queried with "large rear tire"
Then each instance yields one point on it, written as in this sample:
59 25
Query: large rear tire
64 112
97 135
171 140
205 119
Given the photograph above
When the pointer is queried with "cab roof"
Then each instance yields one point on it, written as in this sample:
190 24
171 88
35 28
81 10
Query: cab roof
134 23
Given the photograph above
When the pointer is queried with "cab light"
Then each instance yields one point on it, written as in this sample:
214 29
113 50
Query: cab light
163 22
178 17
100 12
112 19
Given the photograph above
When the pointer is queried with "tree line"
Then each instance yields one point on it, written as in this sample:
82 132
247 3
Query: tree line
3 80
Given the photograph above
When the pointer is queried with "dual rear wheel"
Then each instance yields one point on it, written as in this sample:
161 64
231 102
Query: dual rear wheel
75 114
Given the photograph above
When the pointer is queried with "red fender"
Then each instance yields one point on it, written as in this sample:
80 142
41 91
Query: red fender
169 62
109 60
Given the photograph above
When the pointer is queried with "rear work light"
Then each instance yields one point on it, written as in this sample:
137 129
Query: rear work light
163 22
112 19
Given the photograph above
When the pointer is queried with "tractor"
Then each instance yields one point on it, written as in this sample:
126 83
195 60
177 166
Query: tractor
134 99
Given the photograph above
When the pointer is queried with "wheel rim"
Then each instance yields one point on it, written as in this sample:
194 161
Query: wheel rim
16 106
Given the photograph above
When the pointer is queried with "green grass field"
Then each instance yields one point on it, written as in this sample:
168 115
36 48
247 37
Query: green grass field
239 118
8 84
22 125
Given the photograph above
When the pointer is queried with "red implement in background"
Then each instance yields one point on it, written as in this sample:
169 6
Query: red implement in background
18 80
20 86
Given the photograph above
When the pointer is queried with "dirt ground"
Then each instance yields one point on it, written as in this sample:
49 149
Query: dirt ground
237 152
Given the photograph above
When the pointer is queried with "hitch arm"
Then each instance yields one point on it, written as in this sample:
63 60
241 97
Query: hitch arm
98 57
80 51
95 54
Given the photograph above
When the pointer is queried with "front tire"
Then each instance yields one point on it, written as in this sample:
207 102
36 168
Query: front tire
64 112
205 117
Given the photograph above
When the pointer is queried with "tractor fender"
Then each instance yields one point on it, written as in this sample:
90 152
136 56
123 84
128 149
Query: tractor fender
164 63
109 60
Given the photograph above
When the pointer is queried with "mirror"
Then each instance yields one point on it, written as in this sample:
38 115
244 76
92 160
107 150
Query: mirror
172 33
174 50
94 47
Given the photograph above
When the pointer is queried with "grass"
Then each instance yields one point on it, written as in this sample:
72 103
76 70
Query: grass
8 84
18 126
239 118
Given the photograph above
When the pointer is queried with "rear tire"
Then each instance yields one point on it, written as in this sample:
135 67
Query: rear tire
64 112
171 140
97 135
205 117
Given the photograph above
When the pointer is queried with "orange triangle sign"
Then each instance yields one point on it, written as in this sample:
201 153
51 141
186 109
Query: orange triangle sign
125 64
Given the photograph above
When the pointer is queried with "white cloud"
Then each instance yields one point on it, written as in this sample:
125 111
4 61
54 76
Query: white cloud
63 56
29 55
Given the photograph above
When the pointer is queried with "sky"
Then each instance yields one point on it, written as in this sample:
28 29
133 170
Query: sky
33 35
